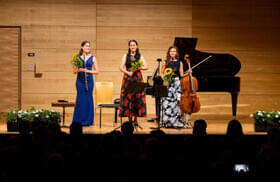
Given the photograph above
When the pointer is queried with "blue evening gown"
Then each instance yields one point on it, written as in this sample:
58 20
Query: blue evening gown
83 112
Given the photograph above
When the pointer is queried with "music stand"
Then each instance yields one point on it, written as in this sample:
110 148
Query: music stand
160 91
155 82
134 88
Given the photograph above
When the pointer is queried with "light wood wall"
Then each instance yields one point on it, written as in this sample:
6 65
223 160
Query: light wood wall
53 30
248 30
153 25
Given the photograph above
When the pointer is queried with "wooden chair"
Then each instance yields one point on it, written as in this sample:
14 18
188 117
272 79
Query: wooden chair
104 97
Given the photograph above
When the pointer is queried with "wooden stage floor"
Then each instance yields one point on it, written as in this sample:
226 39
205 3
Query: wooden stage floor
215 125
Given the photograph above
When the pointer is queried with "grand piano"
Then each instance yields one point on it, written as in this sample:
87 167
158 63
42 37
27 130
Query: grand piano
217 74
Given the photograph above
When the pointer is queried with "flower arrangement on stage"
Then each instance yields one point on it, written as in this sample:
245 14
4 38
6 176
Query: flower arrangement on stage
76 61
32 115
168 75
266 119
137 64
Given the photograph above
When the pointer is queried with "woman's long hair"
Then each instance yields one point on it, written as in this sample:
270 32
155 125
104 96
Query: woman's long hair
137 54
168 57
82 45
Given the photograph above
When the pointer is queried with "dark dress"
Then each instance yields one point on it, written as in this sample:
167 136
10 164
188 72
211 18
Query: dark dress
83 112
132 104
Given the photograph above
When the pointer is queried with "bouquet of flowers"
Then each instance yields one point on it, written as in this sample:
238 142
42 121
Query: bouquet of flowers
76 61
168 75
137 64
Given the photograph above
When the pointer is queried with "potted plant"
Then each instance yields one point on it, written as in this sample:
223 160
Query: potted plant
12 120
265 120
15 117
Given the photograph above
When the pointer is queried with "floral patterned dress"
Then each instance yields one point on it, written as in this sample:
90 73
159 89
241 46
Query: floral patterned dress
171 113
132 104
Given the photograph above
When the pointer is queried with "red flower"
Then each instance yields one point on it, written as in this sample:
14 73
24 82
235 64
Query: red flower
125 102
144 100
126 113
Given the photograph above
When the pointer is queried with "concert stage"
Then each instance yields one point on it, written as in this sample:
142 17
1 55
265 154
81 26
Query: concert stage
215 125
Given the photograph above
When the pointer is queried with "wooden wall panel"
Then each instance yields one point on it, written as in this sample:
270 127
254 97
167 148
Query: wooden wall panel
255 61
259 102
48 12
258 62
237 39
54 29
110 60
247 30
154 24
43 100
50 82
48 60
57 36
148 38
9 69
241 3
220 103
237 15
154 15
146 2
260 83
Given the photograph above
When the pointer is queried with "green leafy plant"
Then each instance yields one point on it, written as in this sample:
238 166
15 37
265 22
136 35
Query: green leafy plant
32 115
267 118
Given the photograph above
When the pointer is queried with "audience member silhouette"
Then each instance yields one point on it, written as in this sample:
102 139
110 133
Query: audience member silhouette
76 130
24 127
199 128
269 155
234 129
157 133
127 128
139 156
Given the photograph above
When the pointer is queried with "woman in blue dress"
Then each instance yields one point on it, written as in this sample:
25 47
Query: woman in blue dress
83 112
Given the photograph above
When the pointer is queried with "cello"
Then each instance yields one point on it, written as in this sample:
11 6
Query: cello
189 102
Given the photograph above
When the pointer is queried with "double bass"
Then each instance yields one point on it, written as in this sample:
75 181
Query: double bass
189 102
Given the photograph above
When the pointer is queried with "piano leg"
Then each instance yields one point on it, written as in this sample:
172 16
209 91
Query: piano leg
157 105
157 99
234 96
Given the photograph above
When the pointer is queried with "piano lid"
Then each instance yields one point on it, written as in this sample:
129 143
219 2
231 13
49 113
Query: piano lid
217 65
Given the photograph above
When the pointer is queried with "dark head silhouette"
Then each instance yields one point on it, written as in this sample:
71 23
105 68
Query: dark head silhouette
234 128
199 128
157 132
76 129
127 128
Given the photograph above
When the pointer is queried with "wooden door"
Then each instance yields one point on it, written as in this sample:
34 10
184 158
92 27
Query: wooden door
9 68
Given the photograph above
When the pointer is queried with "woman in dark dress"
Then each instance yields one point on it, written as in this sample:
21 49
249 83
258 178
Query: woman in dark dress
132 105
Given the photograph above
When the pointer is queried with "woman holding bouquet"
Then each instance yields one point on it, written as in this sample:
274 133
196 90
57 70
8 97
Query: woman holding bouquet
85 66
171 71
132 105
